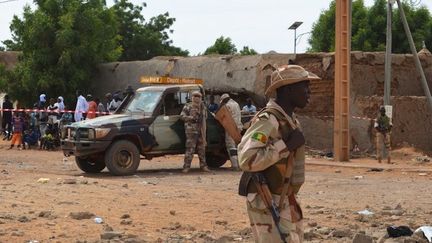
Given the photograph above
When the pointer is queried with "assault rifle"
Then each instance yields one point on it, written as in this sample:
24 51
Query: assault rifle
265 194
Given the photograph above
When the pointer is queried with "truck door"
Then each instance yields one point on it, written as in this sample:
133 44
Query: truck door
168 128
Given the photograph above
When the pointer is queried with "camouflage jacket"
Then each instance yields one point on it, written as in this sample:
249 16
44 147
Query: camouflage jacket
383 124
262 146
194 117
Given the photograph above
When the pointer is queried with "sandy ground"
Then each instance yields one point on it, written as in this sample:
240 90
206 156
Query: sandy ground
160 204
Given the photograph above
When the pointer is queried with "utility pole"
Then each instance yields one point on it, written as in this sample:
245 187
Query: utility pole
415 55
341 130
388 57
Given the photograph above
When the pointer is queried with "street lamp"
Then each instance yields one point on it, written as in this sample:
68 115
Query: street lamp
294 27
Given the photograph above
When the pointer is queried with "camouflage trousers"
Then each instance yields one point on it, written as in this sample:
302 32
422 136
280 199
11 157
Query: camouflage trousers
263 227
380 139
194 142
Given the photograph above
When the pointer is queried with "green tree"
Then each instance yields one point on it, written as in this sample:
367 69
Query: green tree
223 46
376 28
323 31
61 44
360 14
369 27
141 40
246 51
420 23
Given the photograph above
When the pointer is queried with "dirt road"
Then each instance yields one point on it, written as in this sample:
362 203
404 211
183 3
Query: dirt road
160 204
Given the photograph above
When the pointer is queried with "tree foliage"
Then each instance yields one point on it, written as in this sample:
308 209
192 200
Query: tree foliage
247 51
61 44
369 27
223 46
143 40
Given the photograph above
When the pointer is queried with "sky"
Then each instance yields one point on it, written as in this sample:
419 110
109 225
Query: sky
261 25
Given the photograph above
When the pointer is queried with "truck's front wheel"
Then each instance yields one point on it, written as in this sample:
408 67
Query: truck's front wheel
90 164
122 158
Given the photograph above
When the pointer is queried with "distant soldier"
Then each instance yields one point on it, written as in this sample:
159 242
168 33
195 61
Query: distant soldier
194 116
273 149
231 146
383 128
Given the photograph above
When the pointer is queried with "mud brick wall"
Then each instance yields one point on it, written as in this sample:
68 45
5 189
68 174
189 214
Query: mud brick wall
249 76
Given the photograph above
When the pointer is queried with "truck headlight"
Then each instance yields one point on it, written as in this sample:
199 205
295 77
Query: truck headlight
91 134
101 132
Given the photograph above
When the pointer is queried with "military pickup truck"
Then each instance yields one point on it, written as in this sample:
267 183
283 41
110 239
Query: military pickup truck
146 125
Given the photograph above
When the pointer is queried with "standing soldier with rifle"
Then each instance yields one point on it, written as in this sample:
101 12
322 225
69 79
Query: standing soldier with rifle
194 115
383 127
272 155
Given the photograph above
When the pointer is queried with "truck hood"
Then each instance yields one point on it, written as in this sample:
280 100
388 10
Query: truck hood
107 121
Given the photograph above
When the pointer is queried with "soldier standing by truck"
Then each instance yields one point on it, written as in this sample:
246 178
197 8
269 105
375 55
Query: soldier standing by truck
194 116
383 127
230 144
272 155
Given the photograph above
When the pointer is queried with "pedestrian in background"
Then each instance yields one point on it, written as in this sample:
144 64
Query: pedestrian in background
212 107
81 106
52 111
249 108
42 114
108 99
7 118
60 105
92 107
100 107
18 129
115 103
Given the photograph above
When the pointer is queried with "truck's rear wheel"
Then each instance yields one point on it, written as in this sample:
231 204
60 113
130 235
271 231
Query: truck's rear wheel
215 160
90 164
122 158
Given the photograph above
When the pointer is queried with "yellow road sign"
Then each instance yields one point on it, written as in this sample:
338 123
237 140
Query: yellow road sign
169 80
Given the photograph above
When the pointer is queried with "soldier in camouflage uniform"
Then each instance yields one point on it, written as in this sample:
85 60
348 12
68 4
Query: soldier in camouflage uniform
194 116
383 127
274 135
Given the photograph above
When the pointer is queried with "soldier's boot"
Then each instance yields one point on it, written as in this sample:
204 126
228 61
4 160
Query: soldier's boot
234 163
388 159
185 170
205 169
234 159
379 159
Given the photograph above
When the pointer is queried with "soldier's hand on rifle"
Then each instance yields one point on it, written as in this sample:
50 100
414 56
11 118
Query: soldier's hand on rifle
294 140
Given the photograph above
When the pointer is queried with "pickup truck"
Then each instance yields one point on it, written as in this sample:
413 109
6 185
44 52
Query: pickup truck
146 125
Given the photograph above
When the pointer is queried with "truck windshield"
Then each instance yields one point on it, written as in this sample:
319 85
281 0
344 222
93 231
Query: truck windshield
144 102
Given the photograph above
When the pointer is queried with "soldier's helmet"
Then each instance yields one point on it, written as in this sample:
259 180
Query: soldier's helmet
288 74
382 108
196 93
